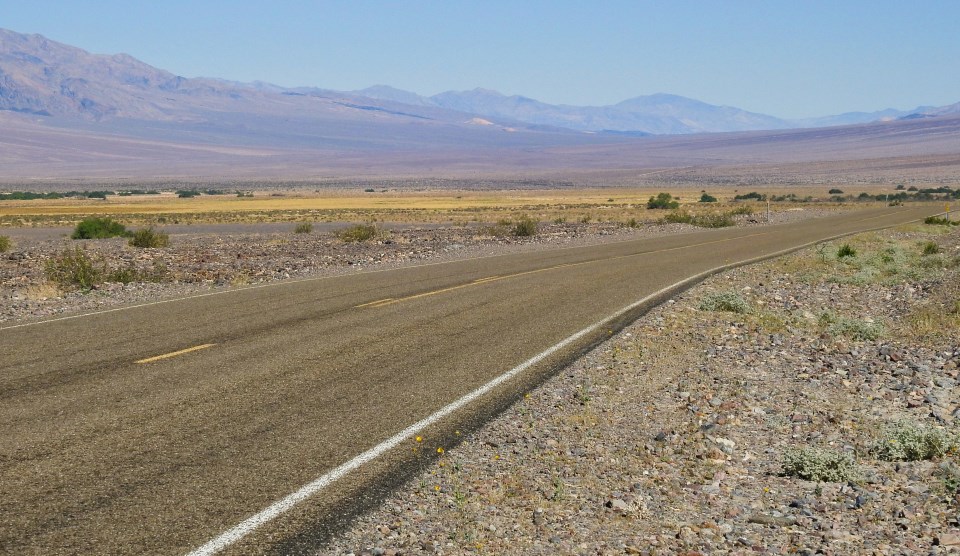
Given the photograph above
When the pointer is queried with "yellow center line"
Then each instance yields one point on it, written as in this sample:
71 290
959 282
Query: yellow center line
373 303
489 279
174 353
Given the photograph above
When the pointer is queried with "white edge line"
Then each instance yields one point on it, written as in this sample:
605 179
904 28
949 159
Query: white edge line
285 504
318 278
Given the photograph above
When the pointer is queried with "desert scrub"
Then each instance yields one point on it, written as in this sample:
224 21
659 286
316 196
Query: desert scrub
941 221
74 268
908 441
99 228
359 233
303 228
5 244
525 227
662 201
856 329
730 302
814 464
148 237
705 220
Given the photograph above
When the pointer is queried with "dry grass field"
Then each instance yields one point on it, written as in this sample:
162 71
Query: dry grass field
407 205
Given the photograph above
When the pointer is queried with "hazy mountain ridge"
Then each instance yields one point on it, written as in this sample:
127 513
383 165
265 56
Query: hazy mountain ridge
46 78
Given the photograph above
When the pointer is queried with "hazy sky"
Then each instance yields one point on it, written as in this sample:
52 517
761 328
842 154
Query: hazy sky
785 58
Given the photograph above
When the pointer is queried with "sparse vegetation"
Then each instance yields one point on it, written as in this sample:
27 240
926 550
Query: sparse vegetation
359 233
525 227
74 268
149 238
5 244
708 220
857 329
730 302
303 228
941 221
752 196
99 228
662 201
908 441
813 464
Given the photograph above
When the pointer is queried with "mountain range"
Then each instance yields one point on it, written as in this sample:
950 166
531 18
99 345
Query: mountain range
67 112
42 77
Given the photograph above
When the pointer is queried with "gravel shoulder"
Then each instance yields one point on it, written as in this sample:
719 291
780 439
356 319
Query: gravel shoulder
807 404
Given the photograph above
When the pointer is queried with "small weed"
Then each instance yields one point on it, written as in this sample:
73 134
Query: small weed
846 250
930 248
730 302
148 237
812 464
303 228
5 244
907 441
632 223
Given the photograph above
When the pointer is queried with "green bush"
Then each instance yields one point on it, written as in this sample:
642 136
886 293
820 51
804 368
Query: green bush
5 244
835 191
730 302
812 464
303 228
846 250
148 237
906 441
707 198
73 268
930 248
358 233
187 193
99 228
525 227
753 195
662 201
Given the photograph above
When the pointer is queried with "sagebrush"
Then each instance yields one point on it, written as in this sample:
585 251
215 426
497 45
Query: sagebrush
814 464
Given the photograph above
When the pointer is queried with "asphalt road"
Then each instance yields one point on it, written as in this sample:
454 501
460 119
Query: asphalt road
115 443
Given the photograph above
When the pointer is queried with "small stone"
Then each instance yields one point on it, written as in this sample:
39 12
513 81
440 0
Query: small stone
948 539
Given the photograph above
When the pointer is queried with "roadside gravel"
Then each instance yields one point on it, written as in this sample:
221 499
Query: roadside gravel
671 437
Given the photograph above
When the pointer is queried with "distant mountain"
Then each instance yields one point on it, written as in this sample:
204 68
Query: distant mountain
931 112
658 114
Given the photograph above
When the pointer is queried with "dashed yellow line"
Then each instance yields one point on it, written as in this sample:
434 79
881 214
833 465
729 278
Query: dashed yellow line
374 303
175 353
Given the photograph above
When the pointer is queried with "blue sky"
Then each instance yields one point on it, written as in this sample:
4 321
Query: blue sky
788 59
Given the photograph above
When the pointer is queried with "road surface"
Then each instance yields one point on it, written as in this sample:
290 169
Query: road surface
155 429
